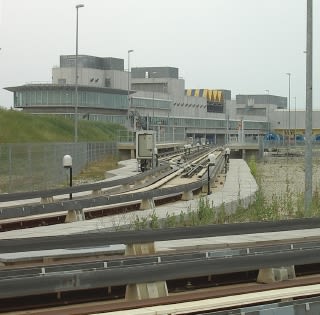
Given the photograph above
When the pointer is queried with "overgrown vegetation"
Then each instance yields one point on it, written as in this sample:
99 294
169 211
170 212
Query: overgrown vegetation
19 127
95 171
287 206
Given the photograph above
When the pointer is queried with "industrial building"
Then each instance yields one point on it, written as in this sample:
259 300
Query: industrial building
153 98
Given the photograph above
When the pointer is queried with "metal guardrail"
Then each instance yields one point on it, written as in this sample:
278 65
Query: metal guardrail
104 237
90 202
39 281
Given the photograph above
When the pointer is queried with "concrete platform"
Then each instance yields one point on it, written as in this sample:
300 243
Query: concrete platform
239 186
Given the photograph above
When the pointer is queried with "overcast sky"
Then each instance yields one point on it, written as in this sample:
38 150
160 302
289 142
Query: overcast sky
246 46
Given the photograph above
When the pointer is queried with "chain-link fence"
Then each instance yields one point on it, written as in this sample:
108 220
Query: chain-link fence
26 167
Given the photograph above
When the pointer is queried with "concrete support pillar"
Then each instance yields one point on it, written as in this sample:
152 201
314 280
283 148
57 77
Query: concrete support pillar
140 249
140 291
132 153
125 187
45 200
97 192
74 216
243 154
205 188
147 204
271 275
187 195
141 181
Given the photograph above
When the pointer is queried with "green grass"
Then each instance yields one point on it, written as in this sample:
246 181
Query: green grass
96 170
19 127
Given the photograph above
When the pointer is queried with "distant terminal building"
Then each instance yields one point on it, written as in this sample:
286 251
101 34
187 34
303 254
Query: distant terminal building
152 98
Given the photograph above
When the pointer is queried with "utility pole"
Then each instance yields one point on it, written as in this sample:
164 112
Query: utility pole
129 88
289 101
308 151
78 6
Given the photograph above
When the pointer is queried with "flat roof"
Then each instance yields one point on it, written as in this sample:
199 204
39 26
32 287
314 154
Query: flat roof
49 86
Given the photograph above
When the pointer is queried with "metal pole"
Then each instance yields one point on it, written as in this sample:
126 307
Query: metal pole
209 190
289 101
70 183
268 104
153 107
129 100
295 120
76 83
308 150
152 73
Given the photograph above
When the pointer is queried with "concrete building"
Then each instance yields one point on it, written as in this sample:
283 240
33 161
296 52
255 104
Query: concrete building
158 98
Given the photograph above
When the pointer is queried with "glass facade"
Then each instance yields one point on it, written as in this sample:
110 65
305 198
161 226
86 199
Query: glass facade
151 103
63 97
66 97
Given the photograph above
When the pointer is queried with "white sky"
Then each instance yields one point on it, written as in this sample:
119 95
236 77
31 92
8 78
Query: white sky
246 46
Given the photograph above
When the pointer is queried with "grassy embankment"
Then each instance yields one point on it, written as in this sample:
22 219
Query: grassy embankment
19 127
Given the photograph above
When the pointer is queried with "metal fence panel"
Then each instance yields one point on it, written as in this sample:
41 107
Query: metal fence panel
34 166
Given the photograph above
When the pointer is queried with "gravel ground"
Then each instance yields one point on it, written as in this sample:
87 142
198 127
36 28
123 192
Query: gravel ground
278 175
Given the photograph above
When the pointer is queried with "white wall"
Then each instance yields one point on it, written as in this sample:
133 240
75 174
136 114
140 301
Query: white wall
118 79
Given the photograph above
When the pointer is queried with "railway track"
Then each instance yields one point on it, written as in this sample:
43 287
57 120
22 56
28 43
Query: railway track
110 198
92 301
18 285
109 297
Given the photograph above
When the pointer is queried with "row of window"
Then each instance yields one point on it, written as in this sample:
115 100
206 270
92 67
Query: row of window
182 122
186 122
85 98
68 97
115 101
151 103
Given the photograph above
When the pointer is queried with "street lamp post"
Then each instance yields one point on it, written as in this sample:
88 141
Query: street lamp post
309 110
129 86
212 162
67 164
76 81
295 120
289 99
268 101
153 106
152 73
